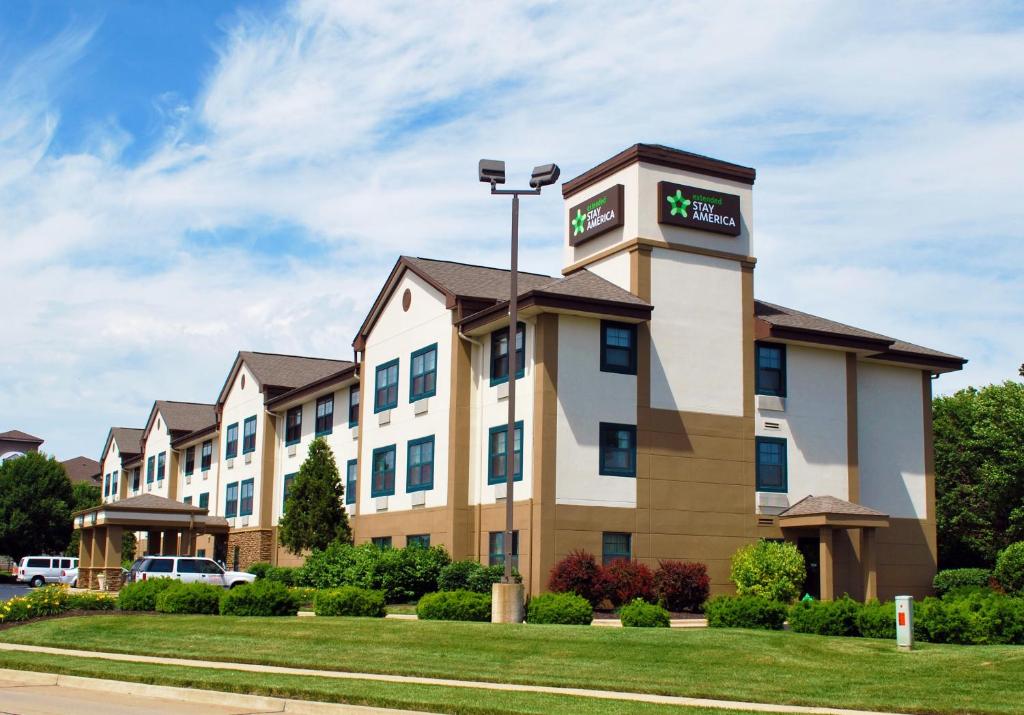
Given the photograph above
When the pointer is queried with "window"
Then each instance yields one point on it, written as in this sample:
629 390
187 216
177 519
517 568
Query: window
383 483
161 466
249 435
771 464
771 369
618 347
423 373
618 450
150 469
289 479
231 500
615 546
386 395
188 500
422 540
106 485
499 354
231 442
204 500
419 473
207 458
187 566
190 461
353 406
351 472
293 426
160 566
382 542
497 455
496 549
324 415
136 478
113 483
245 504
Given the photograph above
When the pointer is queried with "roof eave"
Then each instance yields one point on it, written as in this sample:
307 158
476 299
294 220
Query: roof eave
339 378
556 303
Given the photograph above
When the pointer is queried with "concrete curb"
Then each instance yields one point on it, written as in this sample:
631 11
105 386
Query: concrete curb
420 680
255 703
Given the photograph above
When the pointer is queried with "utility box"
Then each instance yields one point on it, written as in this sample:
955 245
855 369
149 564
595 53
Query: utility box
905 622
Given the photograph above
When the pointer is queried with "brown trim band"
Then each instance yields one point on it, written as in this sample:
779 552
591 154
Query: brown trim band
745 261
557 302
305 390
940 363
188 437
763 329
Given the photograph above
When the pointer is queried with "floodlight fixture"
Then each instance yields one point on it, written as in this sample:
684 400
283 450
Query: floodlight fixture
492 171
544 175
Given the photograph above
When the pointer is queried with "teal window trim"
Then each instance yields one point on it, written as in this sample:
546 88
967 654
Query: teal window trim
783 464
106 485
150 469
204 500
206 460
190 461
383 491
770 360
428 376
353 406
231 441
136 478
620 329
612 549
187 500
606 450
161 466
493 477
289 479
423 485
293 426
245 503
351 475
390 401
249 438
324 421
231 500
496 338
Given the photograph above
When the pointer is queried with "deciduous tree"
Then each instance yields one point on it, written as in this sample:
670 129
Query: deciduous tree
35 506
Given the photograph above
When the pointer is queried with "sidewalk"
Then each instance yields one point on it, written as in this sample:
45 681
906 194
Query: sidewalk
508 687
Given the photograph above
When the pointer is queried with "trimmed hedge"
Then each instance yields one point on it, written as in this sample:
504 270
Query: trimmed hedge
579 573
877 620
455 606
971 618
951 579
262 598
559 608
1009 570
745 612
682 585
141 595
640 614
826 618
403 574
201 598
350 601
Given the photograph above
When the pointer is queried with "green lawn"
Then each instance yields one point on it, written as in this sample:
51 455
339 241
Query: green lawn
402 608
730 664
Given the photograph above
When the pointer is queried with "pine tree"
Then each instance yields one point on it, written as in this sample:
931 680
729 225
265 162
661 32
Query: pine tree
314 516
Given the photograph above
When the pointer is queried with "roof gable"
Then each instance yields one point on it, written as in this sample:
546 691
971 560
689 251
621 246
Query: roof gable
16 435
283 372
181 417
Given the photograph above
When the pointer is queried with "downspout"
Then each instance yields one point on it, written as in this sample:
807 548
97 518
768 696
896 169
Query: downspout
476 426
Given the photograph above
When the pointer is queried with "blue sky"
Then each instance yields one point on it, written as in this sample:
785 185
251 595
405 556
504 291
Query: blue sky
181 180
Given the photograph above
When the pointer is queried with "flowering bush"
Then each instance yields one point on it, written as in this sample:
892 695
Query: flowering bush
47 601
579 573
625 581
681 586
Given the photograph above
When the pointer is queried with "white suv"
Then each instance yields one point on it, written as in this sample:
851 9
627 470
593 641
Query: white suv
38 570
188 569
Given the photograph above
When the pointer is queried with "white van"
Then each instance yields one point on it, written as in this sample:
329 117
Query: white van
188 569
37 570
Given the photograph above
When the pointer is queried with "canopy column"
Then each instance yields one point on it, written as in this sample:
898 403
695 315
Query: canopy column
153 542
825 564
170 540
869 559
85 539
112 558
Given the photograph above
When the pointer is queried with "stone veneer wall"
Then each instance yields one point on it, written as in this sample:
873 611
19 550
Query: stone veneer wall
254 546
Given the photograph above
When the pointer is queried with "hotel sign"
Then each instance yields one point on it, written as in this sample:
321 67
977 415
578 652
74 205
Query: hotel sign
703 209
600 213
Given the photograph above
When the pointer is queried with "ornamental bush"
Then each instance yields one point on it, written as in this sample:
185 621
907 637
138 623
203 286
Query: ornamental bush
282 574
578 573
259 569
201 598
403 574
681 585
826 618
141 595
559 608
350 601
877 620
951 579
91 602
1009 571
262 598
626 581
971 618
745 612
769 569
454 606
455 576
640 614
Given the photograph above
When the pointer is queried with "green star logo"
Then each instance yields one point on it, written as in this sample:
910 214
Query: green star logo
579 223
678 203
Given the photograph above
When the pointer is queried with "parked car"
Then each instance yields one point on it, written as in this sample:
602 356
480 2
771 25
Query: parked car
69 577
188 569
37 570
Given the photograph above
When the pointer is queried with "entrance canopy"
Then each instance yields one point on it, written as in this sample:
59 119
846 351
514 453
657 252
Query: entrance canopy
170 524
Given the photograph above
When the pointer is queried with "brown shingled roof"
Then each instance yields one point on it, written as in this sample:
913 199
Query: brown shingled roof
812 505
129 439
290 371
466 280
82 469
186 416
790 318
16 435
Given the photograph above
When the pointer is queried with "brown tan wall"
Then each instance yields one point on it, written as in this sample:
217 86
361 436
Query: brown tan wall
254 546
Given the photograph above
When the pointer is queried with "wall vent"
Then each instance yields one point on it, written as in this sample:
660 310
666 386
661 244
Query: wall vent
763 521
771 425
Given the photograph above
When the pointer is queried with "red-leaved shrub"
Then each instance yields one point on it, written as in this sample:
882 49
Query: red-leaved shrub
681 586
578 573
626 580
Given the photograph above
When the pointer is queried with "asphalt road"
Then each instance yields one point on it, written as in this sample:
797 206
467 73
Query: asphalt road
10 590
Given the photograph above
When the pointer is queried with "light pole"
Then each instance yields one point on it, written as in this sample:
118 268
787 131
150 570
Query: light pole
493 172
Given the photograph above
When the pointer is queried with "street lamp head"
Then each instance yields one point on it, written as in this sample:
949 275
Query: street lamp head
544 175
492 171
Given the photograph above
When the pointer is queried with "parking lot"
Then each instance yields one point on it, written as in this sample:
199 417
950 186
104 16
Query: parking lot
10 590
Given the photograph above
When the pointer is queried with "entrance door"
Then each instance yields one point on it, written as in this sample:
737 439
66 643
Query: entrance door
810 547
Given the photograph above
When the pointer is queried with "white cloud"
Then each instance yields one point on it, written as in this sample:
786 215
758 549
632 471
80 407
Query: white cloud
888 148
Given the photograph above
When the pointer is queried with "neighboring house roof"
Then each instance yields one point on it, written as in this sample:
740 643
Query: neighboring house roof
82 469
278 373
812 505
776 321
16 435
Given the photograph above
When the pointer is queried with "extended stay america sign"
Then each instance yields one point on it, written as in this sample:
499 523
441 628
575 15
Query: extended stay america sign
599 213
690 207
